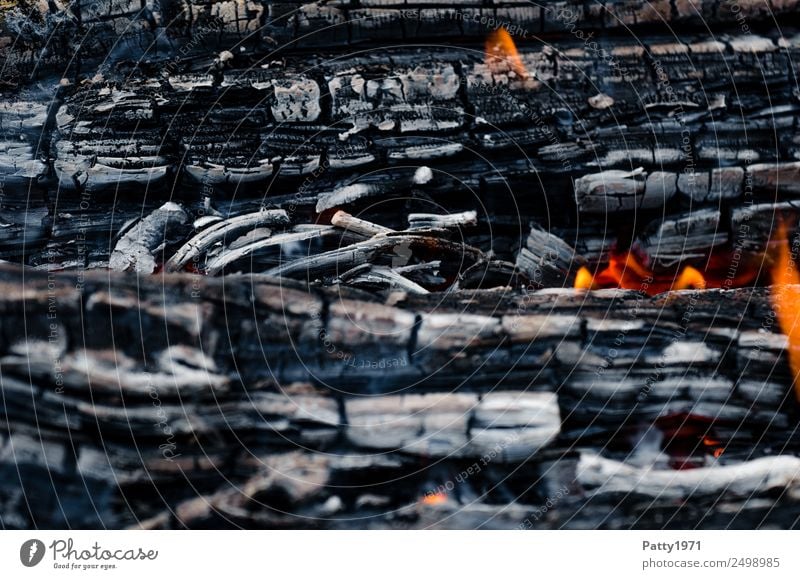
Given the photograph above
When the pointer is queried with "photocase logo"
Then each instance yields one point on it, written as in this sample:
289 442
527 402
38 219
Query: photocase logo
401 254
31 553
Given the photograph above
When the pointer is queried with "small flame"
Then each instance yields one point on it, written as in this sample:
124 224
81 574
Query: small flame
500 48
627 272
714 445
584 279
690 278
785 297
434 499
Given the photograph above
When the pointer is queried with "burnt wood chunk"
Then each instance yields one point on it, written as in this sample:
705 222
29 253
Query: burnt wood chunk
547 260
612 191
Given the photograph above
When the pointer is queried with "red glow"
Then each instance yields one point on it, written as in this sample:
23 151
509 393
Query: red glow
627 272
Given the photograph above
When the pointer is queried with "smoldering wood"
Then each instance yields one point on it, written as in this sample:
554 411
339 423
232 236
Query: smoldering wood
102 136
687 235
547 259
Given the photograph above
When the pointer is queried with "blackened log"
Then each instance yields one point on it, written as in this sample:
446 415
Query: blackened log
40 37
244 361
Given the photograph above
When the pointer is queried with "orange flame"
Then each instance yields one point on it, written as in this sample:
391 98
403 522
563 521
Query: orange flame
785 298
434 499
626 271
500 48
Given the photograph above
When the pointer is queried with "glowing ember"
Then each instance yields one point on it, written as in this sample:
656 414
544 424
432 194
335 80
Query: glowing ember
434 499
785 297
626 271
500 47
714 446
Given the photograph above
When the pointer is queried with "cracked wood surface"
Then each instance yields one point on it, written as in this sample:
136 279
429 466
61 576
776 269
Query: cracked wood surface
150 390
683 150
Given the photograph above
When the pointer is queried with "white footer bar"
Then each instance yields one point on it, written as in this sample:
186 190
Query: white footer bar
389 554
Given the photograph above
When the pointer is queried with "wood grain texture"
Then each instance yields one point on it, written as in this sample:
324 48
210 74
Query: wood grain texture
182 400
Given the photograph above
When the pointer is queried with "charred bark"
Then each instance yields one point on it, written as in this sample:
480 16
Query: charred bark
151 390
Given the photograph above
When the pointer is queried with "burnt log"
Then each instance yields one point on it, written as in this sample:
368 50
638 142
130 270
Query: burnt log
162 397
434 132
